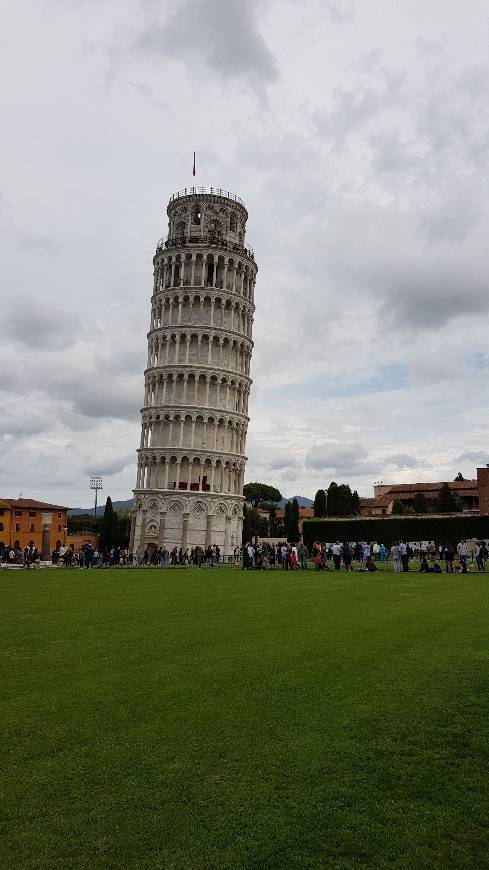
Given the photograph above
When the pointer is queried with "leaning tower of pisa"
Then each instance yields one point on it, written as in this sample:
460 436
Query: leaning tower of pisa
191 459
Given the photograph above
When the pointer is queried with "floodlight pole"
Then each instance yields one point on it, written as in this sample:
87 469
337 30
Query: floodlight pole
96 484
326 497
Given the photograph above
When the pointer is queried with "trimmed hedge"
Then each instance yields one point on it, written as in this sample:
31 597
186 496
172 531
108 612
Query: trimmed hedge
386 530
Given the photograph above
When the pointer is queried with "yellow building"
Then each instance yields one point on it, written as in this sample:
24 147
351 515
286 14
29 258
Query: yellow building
21 523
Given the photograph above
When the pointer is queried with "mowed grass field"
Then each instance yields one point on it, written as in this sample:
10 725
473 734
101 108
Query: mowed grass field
223 719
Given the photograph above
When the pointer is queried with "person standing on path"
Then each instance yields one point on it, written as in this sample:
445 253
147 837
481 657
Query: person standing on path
336 550
449 554
462 555
396 557
302 553
403 551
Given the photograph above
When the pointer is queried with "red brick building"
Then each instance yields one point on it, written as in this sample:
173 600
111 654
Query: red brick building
473 495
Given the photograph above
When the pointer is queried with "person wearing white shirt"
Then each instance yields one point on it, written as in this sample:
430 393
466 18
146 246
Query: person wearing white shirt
336 551
403 552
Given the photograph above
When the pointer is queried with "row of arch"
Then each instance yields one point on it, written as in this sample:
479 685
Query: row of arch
198 390
202 311
205 270
195 349
189 473
193 432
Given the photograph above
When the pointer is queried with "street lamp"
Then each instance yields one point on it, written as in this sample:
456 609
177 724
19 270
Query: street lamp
326 497
96 484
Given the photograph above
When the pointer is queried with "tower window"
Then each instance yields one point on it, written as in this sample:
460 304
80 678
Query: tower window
197 215
233 223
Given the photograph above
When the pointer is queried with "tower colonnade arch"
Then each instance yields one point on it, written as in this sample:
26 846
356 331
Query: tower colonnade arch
205 269
196 388
212 309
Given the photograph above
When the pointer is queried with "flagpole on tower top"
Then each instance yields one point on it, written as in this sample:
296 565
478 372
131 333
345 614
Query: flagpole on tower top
193 170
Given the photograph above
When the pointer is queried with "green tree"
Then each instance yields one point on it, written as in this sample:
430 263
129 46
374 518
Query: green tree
293 533
254 493
287 511
82 524
355 503
421 504
109 532
320 503
398 507
254 525
272 522
343 501
332 500
124 518
447 503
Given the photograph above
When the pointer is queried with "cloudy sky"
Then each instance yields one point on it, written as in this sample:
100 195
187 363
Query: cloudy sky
356 131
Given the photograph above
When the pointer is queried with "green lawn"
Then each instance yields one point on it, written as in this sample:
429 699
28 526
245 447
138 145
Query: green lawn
222 719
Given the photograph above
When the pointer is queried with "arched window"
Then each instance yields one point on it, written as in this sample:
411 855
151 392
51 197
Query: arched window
197 215
233 223
180 229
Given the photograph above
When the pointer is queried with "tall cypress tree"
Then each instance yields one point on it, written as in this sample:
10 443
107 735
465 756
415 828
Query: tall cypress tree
332 499
343 505
293 533
320 503
355 503
287 519
106 532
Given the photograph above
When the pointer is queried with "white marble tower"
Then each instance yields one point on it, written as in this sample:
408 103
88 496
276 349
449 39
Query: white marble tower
191 459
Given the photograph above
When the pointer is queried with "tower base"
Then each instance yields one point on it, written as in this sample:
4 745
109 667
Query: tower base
186 520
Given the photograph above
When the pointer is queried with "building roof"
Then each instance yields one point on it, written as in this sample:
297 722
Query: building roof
463 487
383 500
4 503
32 503
305 513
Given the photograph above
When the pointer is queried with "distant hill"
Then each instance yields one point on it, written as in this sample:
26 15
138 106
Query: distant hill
301 499
117 505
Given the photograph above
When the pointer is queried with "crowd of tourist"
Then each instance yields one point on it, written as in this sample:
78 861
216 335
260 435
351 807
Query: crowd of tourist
367 556
348 556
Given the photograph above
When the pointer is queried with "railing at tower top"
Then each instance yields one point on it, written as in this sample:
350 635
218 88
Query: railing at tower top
209 241
213 191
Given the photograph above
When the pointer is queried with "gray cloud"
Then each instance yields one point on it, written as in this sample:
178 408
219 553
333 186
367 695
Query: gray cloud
474 457
337 457
221 34
402 460
108 467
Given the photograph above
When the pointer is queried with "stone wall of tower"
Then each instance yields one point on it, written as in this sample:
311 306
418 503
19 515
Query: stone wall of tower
191 458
